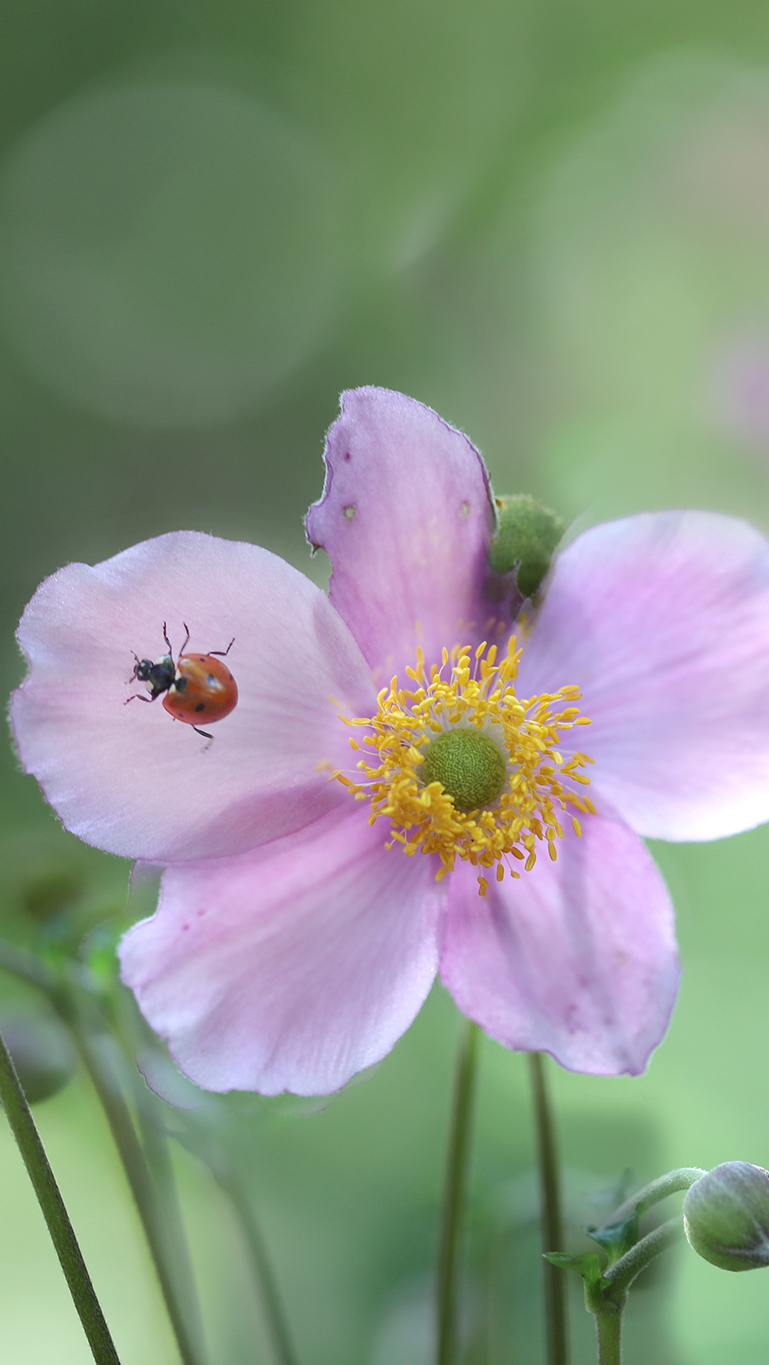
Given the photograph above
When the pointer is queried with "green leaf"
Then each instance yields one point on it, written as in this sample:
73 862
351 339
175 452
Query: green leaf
587 1265
616 1238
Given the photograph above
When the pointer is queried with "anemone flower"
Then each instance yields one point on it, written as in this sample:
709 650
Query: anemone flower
409 783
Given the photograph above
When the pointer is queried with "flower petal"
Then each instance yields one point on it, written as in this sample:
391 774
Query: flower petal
663 621
129 778
291 967
406 517
577 958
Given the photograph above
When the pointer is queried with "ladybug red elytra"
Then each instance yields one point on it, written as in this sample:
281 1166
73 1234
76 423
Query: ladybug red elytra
197 687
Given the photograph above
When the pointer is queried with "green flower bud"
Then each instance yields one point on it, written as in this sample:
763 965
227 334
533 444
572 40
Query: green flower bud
42 1054
526 536
726 1216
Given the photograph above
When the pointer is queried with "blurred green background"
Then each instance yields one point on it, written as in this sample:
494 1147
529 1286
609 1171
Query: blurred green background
549 219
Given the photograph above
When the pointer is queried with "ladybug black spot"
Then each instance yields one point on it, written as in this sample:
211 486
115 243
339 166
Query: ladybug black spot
201 706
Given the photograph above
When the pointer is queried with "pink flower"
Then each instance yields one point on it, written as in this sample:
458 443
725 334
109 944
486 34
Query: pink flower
295 939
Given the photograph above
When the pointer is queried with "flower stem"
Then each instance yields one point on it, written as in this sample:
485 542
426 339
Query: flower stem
272 1306
552 1221
142 1186
54 1211
606 1299
619 1277
176 1250
454 1193
608 1325
91 1044
681 1179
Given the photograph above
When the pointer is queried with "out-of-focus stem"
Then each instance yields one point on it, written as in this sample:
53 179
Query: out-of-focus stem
552 1220
143 1189
64 996
454 1194
177 1254
272 1306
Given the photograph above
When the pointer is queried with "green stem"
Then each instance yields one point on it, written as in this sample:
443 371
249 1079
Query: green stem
608 1325
454 1193
607 1298
681 1179
556 1287
121 1125
154 1140
176 1249
63 996
59 1226
621 1275
272 1306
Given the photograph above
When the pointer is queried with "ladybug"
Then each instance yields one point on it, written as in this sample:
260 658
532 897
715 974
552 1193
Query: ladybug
197 687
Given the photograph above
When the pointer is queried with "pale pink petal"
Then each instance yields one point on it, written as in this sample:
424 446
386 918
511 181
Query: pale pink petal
406 517
131 779
292 967
577 958
663 621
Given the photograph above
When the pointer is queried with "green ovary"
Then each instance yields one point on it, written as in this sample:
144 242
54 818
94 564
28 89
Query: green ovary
470 767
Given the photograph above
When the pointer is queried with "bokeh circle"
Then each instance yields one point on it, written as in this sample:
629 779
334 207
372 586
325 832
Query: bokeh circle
166 251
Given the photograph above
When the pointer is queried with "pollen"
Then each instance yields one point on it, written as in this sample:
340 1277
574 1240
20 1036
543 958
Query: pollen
462 767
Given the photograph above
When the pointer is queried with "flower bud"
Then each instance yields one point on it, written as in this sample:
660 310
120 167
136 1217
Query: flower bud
526 536
42 1054
726 1216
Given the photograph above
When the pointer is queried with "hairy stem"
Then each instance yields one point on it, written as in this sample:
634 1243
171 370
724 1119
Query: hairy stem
681 1179
621 1275
54 1211
607 1298
608 1326
454 1192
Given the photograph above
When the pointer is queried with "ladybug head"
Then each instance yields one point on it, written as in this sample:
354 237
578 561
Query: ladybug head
159 674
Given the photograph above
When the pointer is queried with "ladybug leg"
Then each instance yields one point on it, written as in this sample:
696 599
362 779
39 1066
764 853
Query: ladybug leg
204 733
139 696
186 639
223 652
168 642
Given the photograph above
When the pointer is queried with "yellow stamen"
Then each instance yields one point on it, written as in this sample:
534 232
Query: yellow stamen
478 693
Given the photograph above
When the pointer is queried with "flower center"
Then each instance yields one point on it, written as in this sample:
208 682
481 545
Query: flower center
464 768
469 765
